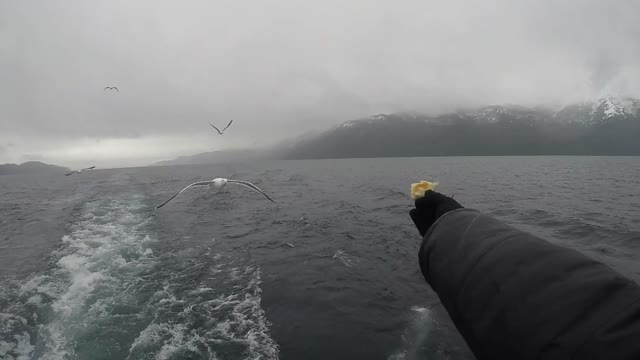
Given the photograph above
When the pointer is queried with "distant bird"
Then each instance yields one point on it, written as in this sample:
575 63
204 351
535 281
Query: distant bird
217 184
111 88
79 171
225 128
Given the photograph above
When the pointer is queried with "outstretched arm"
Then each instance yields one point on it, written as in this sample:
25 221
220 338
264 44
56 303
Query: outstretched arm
515 296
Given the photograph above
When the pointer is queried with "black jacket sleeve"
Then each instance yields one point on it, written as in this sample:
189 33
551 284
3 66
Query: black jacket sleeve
515 296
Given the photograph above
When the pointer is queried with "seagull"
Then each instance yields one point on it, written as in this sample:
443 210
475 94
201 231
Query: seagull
111 88
217 184
225 128
79 171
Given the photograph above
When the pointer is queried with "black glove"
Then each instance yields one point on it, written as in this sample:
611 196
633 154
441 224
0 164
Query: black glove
429 208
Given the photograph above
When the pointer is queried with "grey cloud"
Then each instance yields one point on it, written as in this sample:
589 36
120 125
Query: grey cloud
290 66
32 157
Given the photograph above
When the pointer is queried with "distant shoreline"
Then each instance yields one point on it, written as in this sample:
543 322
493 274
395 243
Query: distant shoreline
30 167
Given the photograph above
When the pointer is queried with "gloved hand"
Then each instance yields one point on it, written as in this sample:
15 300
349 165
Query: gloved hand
429 208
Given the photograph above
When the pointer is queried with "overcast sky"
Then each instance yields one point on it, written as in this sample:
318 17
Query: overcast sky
282 68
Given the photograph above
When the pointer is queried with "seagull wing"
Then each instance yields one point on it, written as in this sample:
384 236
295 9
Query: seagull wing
218 130
90 168
106 87
71 173
226 127
251 186
115 88
199 183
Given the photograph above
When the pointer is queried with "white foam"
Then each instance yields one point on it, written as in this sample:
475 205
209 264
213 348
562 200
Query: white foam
415 335
35 299
343 257
22 348
104 259
229 318
43 284
201 290
234 274
15 341
419 309
103 251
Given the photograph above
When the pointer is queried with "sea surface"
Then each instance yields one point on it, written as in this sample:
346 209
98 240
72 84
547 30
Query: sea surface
90 270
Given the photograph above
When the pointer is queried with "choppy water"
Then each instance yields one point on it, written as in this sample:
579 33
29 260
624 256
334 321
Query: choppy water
89 270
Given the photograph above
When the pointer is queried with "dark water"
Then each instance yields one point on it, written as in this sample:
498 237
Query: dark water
88 270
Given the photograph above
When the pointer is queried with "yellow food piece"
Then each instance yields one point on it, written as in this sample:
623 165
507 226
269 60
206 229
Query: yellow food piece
418 189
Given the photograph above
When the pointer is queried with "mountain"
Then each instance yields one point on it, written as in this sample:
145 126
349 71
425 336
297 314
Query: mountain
214 157
608 126
614 108
31 167
229 156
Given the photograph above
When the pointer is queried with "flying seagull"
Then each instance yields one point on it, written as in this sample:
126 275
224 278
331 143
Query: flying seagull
217 184
111 88
79 171
225 128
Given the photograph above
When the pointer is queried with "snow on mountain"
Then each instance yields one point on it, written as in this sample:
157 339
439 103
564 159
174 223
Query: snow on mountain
365 121
614 107
507 113
597 112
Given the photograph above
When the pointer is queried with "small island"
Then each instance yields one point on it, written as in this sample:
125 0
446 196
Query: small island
31 167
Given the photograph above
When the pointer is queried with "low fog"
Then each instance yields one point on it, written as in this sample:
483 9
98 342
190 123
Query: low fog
283 68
